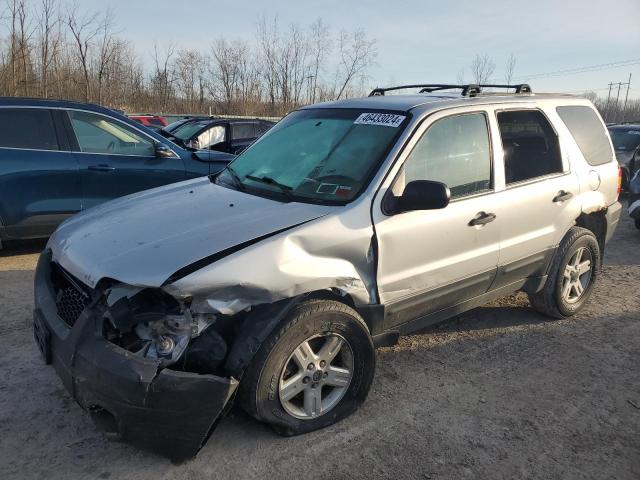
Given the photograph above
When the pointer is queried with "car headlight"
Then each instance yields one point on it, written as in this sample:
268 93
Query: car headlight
151 323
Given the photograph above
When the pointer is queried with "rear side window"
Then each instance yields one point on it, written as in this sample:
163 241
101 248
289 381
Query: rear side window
530 144
30 128
455 151
588 132
242 130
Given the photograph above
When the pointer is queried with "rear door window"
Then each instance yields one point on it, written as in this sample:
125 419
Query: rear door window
589 133
99 134
240 131
28 128
531 147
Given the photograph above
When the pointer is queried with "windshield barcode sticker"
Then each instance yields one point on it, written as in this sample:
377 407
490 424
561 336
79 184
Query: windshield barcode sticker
381 119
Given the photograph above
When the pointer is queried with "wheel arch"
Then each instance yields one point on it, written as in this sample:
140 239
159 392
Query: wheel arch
261 320
596 223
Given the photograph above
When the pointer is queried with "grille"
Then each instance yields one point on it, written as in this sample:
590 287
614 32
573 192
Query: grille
70 300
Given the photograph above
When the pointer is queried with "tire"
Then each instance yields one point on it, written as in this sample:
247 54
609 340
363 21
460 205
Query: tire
552 300
315 322
637 223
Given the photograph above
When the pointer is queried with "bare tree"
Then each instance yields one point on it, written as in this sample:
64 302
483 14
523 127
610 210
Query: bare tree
161 81
482 67
510 69
107 46
320 46
357 54
48 41
84 30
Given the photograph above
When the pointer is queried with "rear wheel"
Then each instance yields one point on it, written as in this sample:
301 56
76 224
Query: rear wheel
571 276
311 372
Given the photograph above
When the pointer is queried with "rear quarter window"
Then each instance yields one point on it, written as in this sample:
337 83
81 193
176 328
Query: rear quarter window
589 133
241 131
30 128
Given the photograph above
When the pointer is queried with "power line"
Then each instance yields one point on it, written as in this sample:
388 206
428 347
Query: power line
583 69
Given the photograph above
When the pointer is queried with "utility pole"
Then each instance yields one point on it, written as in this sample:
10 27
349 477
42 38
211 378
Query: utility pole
606 107
624 110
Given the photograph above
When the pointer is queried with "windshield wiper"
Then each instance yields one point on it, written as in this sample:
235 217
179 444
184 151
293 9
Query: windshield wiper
234 176
286 189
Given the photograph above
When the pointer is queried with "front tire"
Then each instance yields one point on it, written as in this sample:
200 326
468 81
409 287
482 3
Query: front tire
313 370
571 277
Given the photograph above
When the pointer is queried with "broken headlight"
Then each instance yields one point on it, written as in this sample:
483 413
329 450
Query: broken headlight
151 323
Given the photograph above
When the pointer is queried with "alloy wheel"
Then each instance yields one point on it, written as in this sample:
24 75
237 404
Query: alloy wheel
316 376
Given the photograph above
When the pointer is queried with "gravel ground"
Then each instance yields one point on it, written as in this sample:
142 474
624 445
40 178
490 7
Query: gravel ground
499 392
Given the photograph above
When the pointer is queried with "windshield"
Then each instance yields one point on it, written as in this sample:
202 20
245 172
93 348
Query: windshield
625 140
319 156
189 129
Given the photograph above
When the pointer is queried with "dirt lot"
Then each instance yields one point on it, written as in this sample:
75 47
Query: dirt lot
499 392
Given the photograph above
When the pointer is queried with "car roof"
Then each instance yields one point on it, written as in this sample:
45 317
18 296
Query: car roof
53 103
431 102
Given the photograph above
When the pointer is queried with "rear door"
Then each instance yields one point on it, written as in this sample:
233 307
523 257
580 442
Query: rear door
115 159
39 179
539 200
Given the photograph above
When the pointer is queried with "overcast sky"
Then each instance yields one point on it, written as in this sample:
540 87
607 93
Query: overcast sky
422 40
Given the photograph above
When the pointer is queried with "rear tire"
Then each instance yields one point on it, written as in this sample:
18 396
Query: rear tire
313 327
571 277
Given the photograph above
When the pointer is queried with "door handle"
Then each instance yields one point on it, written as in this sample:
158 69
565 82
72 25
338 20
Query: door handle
101 168
562 196
482 218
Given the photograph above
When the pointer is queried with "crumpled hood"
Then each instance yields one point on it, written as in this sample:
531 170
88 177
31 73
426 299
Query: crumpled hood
142 239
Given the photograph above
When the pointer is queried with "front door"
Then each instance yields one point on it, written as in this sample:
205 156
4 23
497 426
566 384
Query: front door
429 260
116 159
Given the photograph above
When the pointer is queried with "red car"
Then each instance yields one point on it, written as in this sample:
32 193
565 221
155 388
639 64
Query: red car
152 121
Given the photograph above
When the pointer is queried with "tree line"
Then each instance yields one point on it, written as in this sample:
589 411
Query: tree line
58 49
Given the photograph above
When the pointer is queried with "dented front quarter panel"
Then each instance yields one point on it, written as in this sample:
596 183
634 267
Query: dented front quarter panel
335 252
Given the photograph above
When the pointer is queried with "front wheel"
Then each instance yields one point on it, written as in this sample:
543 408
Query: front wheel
571 276
312 371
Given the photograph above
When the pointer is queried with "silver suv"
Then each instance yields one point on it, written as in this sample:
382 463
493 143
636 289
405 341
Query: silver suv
347 225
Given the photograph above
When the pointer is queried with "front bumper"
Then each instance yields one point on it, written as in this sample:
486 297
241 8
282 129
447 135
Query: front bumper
169 412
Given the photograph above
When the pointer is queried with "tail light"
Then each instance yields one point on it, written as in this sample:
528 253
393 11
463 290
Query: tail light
619 180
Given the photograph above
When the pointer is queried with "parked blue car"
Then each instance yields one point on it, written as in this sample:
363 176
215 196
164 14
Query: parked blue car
59 157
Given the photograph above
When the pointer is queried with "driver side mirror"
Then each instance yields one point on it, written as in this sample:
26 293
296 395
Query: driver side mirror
162 151
419 195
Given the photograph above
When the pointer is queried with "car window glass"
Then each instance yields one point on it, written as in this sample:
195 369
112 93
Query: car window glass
588 132
210 137
27 128
98 134
241 131
455 151
530 144
262 128
625 140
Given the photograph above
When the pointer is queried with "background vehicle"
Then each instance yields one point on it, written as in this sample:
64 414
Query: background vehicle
349 224
181 121
58 158
153 122
626 143
634 199
223 135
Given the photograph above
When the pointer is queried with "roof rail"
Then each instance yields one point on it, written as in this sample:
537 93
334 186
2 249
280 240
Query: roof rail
470 90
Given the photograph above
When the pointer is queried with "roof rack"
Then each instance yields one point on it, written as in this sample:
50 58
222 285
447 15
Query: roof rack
470 90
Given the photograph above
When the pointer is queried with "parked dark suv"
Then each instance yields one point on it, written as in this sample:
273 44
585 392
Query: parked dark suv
223 135
60 157
626 142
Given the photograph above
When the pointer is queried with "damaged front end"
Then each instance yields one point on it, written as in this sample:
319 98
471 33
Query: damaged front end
147 370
